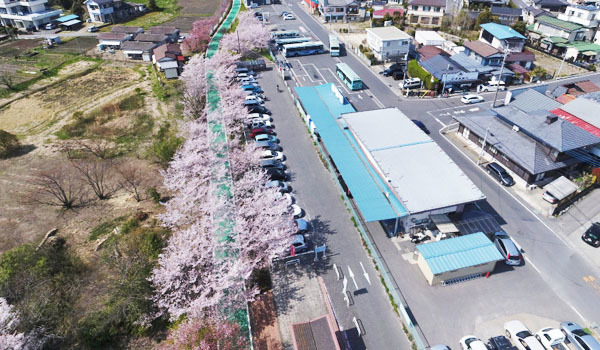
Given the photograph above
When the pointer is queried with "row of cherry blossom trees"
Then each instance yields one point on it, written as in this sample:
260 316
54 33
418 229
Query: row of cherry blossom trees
10 339
199 36
199 273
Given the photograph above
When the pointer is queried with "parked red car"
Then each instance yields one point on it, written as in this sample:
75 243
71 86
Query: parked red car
260 131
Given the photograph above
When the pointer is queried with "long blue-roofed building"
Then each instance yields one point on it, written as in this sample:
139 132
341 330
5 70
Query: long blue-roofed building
394 171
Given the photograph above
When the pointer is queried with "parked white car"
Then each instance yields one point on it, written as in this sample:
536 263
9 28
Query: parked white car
471 98
410 83
492 85
258 123
521 336
259 116
471 342
255 98
272 155
551 338
289 16
265 137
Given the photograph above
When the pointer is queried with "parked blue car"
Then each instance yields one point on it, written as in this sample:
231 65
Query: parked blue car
251 87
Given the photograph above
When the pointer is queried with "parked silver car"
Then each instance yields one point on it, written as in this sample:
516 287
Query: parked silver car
578 337
508 248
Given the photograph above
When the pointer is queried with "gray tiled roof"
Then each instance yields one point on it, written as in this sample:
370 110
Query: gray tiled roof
559 91
531 100
506 11
518 147
560 134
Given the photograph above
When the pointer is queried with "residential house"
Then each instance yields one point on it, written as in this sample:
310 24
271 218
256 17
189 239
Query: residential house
586 15
152 38
138 50
523 59
550 27
507 15
555 6
502 37
172 33
582 52
451 75
168 59
483 53
426 12
127 30
112 11
426 52
339 10
112 40
388 43
27 15
429 38
487 2
535 145
583 112
530 14
68 22
484 73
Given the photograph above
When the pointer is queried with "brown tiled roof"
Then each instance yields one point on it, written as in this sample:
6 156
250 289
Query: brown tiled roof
162 30
516 68
126 29
587 86
427 51
481 48
564 98
137 45
112 36
153 38
167 50
521 56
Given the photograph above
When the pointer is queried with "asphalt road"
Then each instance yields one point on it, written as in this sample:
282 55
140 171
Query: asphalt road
555 274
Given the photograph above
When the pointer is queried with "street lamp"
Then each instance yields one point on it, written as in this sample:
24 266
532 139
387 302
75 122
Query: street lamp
506 51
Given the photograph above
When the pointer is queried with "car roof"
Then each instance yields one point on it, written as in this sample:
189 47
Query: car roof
511 247
298 239
515 326
264 143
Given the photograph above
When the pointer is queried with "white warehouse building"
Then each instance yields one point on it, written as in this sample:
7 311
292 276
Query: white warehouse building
388 43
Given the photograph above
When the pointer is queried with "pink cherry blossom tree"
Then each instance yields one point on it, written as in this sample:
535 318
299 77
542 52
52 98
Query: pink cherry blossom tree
9 338
199 36
205 334
194 81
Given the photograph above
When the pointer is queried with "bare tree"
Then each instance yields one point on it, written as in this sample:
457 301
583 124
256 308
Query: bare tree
98 148
8 81
58 186
98 173
132 178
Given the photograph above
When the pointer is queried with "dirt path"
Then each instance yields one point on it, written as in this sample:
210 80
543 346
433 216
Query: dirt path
265 328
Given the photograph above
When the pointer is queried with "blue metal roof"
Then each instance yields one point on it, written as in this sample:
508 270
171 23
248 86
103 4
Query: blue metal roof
66 18
460 252
324 108
501 31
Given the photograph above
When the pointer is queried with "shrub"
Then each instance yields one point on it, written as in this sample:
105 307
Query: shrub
415 71
105 228
9 144
129 226
166 144
77 127
153 193
132 102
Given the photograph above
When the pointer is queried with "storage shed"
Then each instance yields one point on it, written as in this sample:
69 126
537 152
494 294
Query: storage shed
561 188
457 258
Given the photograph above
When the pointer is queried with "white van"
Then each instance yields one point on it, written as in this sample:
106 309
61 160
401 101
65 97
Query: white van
493 85
410 83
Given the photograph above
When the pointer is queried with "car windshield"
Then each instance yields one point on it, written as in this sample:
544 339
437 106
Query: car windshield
580 332
514 257
469 341
524 334
592 235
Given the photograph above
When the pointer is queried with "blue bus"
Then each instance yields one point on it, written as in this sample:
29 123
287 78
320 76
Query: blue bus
303 49
348 77
287 41
282 34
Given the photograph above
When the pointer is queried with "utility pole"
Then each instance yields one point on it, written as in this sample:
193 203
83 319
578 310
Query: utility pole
487 131
499 79
561 65
238 38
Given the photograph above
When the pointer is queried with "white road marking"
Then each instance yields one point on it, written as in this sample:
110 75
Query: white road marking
302 29
578 313
532 265
459 112
439 121
474 109
359 96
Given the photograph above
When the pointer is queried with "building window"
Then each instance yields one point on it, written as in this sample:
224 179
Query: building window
578 14
414 19
571 13
435 20
493 150
480 140
436 9
505 158
414 8
427 8
593 17
339 9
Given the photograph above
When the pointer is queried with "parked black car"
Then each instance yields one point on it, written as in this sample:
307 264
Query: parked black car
276 174
497 171
592 235
258 109
272 163
501 343
396 67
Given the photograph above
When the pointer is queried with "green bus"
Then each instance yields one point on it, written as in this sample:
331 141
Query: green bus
348 77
